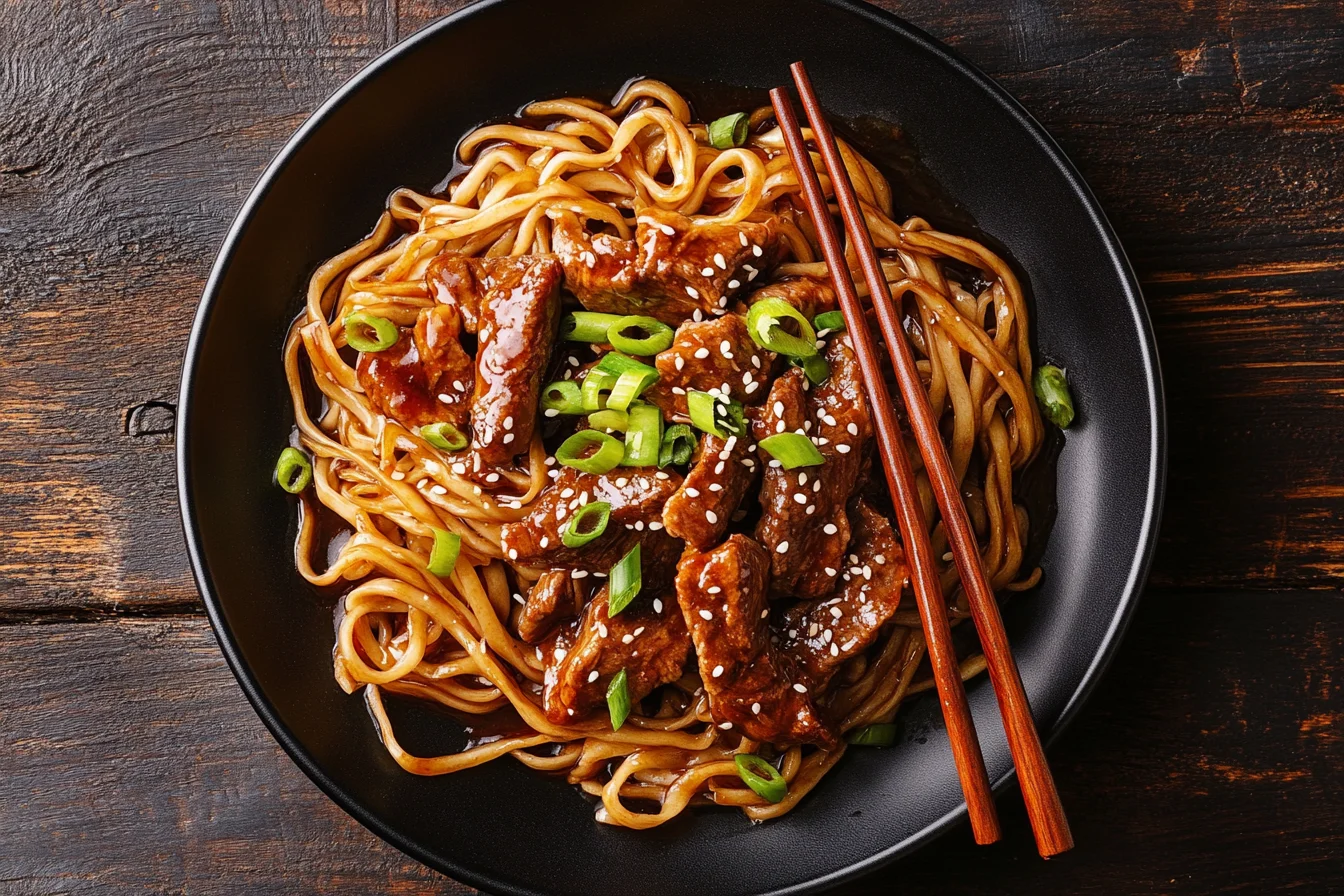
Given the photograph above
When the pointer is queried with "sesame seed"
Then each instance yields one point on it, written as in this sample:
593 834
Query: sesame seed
626 639
602 629
811 509
660 475
948 556
852 429
592 676
398 475
718 670
715 487
459 468
742 237
726 348
567 493
830 529
702 352
836 612
816 485
835 651
513 554
560 653
508 437
711 517
842 449
880 559
579 574
756 250
445 397
677 390
783 547
705 614
800 688
552 412
508 422
829 571
667 229
693 492
774 464
691 291
655 526
800 497
697 316
765 614
545 540
734 284
639 525
713 589
719 260
438 490
867 571
679 362
657 605
756 709
708 272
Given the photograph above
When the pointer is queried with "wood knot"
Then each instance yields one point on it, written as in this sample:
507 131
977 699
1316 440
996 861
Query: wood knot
153 418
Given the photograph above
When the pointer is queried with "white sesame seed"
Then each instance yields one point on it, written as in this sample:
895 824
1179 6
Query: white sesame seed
715 487
836 612
726 348
705 614
800 497
719 260
437 490
780 427
691 291
660 475
742 237
602 629
711 517
398 475
579 574
459 468
880 559
679 362
800 688
592 676
948 556
811 509
734 284
545 540
713 589
783 547
718 670
639 525
655 526
702 352
508 422
626 639
445 397
552 412
756 250
560 653
693 492
513 554
835 651
830 529
830 571
508 437
677 390
774 464
842 449
708 272
756 709
667 229
697 316
852 429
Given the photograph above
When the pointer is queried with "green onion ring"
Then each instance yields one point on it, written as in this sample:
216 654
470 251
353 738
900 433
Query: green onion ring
573 452
586 524
293 471
761 776
367 332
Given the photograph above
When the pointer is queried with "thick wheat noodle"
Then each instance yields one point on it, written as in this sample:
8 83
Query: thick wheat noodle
452 641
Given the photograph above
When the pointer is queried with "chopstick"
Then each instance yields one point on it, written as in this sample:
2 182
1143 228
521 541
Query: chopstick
901 479
1044 809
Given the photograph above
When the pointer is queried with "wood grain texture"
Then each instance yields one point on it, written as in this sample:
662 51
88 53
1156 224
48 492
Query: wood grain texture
1209 762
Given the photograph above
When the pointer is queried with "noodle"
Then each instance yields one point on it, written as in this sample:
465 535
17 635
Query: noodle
452 640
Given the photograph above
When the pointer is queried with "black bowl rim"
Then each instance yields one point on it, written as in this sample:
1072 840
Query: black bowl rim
1125 608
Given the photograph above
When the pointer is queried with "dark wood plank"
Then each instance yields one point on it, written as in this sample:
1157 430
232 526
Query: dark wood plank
1209 761
1209 133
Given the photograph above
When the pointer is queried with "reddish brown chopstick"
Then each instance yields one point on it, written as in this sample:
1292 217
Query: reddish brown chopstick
1038 785
901 479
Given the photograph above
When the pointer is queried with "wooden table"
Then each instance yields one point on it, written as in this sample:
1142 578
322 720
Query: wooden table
1211 760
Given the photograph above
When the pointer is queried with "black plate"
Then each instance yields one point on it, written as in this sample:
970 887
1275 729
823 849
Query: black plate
502 826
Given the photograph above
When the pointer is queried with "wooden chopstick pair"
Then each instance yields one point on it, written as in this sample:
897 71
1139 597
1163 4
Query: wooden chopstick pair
1038 787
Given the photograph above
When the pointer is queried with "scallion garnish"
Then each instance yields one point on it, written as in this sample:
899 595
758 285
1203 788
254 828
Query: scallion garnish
792 450
629 386
293 471
609 420
615 364
588 523
595 383
761 776
643 436
1052 392
590 451
367 332
563 397
829 320
624 583
815 367
444 436
715 414
876 735
586 326
657 335
618 699
729 131
765 323
443 557
678 445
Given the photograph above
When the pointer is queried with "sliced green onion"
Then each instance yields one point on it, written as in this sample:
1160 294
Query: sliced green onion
678 445
618 699
615 363
574 452
829 320
658 335
876 735
1052 391
563 397
715 414
815 367
367 332
588 523
761 777
443 557
792 450
729 131
629 386
643 436
586 326
609 420
293 471
625 582
444 436
594 384
765 324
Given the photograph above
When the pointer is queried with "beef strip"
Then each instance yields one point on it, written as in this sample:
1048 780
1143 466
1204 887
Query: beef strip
750 683
810 295
715 354
701 510
636 496
555 597
404 382
513 306
674 267
647 639
803 522
823 634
